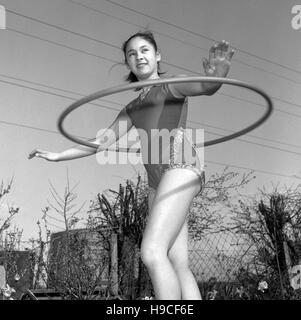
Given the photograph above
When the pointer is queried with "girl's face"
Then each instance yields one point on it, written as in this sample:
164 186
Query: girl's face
142 59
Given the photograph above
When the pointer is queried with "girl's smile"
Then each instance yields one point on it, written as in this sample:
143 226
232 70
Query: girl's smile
142 59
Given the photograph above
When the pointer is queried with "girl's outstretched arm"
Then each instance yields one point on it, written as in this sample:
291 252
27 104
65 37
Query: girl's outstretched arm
217 65
105 139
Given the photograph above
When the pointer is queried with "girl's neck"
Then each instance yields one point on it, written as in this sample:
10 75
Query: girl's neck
145 90
152 77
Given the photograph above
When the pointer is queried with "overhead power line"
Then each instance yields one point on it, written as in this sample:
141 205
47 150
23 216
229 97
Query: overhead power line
113 46
90 39
111 108
114 109
61 28
179 40
209 161
61 45
201 35
249 135
55 94
214 162
256 143
56 88
173 65
255 170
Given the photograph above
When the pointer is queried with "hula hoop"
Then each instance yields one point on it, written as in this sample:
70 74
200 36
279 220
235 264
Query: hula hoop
141 84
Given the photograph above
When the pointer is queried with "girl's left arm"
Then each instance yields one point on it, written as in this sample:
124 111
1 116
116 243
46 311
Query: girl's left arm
217 65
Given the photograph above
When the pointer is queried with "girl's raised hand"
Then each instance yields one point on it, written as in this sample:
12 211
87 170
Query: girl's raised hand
50 156
219 61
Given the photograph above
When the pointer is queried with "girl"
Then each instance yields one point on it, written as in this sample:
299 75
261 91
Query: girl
173 183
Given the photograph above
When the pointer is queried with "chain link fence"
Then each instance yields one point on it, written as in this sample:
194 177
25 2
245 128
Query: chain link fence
219 256
229 267
217 261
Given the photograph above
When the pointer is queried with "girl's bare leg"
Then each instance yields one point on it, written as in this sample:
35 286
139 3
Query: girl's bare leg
166 219
178 255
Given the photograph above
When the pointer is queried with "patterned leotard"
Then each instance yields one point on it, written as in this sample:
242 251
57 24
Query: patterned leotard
160 110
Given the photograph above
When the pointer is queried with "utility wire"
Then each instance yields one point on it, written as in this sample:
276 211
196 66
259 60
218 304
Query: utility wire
255 170
61 28
56 88
173 65
111 108
110 45
67 31
209 161
54 94
200 35
178 40
61 45
256 143
249 135
114 109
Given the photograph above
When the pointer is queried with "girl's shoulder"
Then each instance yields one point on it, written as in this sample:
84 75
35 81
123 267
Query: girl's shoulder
172 88
167 90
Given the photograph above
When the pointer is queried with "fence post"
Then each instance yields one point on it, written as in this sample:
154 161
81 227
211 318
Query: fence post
287 256
114 265
2 280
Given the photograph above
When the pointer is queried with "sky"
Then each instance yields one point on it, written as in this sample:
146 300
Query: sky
55 52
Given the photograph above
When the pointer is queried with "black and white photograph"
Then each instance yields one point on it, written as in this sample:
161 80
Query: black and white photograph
150 150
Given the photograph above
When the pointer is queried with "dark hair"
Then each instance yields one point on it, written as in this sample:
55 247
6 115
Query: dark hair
149 37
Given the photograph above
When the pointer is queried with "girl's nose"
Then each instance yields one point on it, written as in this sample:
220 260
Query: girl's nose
139 56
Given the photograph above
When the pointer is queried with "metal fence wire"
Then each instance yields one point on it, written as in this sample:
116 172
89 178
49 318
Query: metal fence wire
218 256
216 261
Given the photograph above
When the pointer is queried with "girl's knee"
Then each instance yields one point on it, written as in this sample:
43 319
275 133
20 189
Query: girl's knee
181 268
152 255
180 265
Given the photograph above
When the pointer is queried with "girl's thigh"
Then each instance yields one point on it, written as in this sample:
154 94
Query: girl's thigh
170 206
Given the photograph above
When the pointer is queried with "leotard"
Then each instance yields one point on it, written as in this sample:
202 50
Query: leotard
161 109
